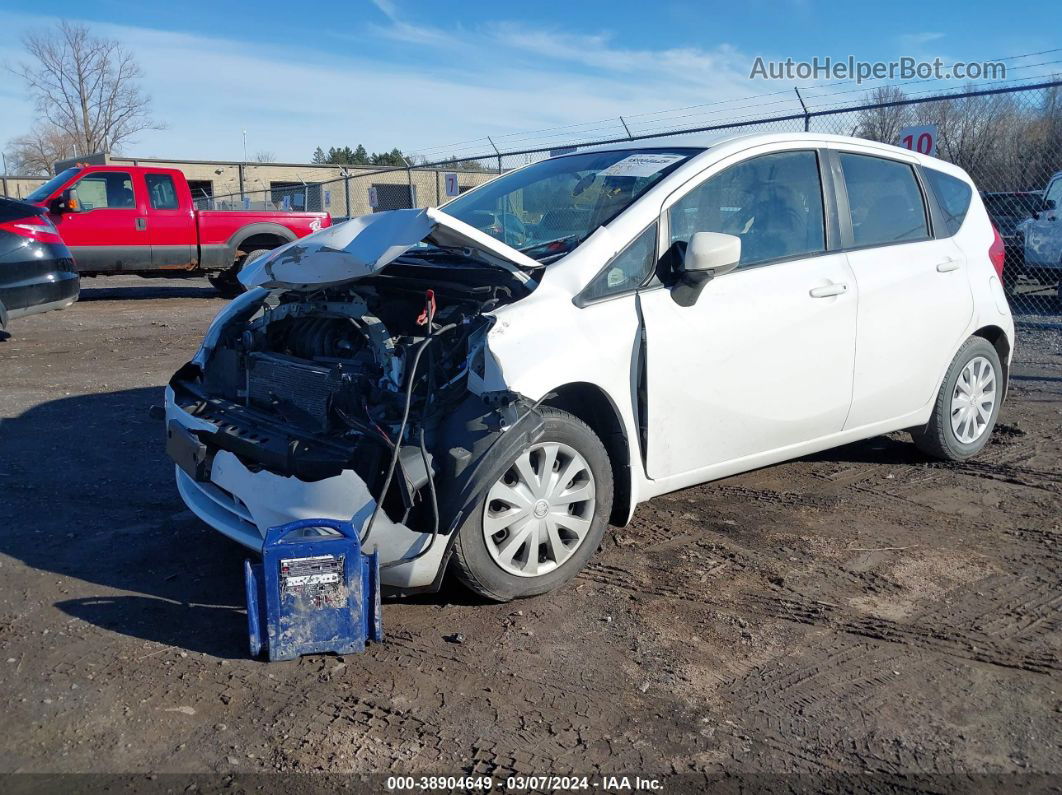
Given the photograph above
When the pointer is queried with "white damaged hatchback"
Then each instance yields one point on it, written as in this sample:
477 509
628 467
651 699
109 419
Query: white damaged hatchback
490 384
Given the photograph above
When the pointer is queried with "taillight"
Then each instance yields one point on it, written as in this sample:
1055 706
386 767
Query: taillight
997 253
38 228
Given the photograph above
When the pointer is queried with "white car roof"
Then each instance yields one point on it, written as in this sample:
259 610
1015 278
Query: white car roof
706 142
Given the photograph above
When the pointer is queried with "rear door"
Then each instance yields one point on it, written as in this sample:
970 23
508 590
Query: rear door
109 230
914 295
170 222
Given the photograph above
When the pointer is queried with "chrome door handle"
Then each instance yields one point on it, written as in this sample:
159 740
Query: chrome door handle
836 288
141 224
947 265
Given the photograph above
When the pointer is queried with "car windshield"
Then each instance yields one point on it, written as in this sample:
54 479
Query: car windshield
549 208
46 190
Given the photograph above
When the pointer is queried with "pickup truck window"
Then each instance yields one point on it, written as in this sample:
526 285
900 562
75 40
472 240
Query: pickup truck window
105 189
161 191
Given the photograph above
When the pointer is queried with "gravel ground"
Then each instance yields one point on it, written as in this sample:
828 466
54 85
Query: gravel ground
862 612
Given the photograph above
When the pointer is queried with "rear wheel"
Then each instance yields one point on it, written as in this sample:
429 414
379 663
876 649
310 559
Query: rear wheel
227 282
541 520
967 405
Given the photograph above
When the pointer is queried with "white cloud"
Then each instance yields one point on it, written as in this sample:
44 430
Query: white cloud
914 42
498 80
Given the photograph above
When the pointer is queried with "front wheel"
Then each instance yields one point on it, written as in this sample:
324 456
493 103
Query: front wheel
967 405
538 524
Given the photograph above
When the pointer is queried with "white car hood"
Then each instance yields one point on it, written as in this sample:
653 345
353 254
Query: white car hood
363 246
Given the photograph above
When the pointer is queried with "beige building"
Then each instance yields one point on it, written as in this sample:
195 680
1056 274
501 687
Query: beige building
19 187
342 191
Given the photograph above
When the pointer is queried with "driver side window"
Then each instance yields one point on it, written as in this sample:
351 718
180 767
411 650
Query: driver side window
772 202
105 189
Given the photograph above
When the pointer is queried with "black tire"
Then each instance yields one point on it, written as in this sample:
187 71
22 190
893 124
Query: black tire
472 562
938 438
226 282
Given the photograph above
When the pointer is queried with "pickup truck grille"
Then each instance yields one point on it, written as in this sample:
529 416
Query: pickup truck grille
295 391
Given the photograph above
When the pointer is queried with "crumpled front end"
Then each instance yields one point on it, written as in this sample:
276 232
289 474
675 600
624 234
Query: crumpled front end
243 504
313 403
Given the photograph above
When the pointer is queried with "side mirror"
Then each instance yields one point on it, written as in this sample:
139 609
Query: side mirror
65 202
712 252
708 254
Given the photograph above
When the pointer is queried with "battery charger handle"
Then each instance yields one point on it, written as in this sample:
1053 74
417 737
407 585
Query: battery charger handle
279 534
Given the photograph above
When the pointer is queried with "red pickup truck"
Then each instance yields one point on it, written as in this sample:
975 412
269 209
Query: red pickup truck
135 219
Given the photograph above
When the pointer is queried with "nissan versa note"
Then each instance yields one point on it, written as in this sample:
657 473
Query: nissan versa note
487 385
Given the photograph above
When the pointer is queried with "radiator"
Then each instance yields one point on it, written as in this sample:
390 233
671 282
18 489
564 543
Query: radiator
296 391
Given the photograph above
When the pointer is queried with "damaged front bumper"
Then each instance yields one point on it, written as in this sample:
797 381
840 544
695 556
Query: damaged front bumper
243 504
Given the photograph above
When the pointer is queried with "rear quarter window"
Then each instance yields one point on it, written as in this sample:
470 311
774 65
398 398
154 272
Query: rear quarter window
953 196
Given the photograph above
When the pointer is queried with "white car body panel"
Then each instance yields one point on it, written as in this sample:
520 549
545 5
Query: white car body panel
905 305
756 372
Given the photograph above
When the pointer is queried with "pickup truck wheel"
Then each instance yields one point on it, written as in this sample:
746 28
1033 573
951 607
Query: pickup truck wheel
226 282
539 523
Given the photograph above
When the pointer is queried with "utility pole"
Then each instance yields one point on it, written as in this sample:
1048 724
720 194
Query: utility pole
245 146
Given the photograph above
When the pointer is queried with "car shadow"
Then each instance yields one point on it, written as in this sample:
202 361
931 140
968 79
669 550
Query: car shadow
146 292
881 450
89 495
99 505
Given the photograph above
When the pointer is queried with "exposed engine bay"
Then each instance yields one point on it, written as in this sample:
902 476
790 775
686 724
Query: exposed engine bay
382 377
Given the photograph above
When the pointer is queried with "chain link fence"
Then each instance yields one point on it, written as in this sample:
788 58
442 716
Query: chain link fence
1008 139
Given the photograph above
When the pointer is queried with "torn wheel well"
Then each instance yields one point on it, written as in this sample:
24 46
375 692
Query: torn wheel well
591 405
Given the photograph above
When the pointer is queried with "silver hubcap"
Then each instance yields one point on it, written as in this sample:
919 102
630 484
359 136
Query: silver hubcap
973 400
540 510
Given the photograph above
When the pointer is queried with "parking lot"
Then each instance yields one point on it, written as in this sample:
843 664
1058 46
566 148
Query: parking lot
860 611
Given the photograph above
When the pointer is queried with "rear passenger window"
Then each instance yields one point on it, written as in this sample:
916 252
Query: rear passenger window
953 196
161 191
884 199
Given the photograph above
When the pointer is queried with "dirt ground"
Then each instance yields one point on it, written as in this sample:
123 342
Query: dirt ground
860 613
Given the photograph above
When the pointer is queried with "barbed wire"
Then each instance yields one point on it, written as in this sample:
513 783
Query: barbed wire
523 140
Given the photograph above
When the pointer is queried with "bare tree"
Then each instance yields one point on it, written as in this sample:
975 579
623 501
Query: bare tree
883 123
265 157
37 151
86 87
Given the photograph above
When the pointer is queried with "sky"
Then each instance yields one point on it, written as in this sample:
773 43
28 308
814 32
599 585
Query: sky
437 78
